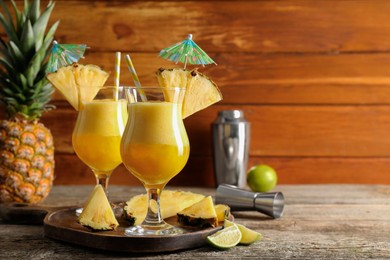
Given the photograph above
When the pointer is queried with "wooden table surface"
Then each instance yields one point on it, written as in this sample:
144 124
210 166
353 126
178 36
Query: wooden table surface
319 222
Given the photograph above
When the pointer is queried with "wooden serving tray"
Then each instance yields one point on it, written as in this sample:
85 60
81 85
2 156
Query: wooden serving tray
26 214
62 225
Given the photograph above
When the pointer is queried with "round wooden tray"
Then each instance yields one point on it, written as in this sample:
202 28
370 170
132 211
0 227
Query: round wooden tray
62 225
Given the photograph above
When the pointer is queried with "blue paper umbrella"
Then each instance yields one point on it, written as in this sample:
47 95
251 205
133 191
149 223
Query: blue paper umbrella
64 54
186 51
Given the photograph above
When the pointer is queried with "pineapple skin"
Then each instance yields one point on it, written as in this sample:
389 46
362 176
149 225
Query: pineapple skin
26 161
196 222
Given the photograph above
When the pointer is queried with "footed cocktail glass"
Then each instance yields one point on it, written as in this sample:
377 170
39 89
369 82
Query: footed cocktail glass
98 131
154 148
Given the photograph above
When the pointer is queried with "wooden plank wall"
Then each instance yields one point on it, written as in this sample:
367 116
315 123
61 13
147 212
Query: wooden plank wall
313 78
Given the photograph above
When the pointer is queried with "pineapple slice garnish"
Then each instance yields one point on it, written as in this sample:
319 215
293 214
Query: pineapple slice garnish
172 201
201 214
97 213
78 83
201 92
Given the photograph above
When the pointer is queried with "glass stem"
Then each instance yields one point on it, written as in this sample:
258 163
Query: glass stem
102 178
153 216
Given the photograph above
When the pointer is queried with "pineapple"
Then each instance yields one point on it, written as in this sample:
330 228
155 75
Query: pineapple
172 201
26 145
201 214
78 83
223 212
201 92
97 213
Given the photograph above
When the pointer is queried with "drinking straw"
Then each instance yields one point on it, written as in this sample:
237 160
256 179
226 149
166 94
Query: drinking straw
134 75
117 73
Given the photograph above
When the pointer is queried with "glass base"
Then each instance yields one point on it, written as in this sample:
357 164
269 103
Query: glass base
117 209
78 211
160 230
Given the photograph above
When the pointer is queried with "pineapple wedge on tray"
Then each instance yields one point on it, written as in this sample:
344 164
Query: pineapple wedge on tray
223 212
172 202
201 214
201 91
97 212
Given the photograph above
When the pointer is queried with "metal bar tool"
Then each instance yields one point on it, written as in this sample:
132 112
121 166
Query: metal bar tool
268 203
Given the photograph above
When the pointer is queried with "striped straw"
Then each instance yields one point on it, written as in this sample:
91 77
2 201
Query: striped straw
134 75
117 72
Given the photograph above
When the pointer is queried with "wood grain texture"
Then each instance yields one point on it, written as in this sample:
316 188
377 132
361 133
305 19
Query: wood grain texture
311 76
320 221
228 26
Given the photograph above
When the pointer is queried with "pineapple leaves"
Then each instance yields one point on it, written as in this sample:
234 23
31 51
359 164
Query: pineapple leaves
19 17
33 70
45 92
23 53
42 44
7 66
8 92
27 38
41 24
35 65
18 57
26 7
11 105
50 35
23 82
49 39
4 51
9 29
9 17
12 89
8 24
34 11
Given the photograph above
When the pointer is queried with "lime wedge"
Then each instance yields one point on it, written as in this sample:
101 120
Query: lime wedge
228 223
248 236
225 238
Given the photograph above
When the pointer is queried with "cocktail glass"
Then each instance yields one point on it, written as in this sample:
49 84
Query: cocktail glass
154 148
98 131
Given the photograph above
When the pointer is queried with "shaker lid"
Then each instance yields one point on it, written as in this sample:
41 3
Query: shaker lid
230 115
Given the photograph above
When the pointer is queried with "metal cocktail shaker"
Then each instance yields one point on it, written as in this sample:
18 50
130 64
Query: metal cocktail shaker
231 138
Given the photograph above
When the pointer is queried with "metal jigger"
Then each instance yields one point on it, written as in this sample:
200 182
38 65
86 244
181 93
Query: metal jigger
268 203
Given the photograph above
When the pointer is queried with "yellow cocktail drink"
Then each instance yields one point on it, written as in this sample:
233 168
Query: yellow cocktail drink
155 147
97 135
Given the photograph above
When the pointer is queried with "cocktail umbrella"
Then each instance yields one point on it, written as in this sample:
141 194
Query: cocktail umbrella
186 51
64 54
